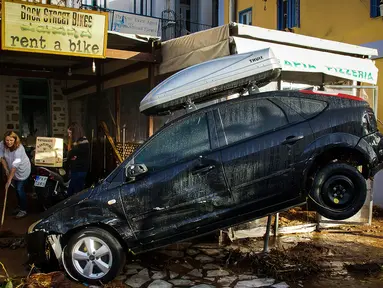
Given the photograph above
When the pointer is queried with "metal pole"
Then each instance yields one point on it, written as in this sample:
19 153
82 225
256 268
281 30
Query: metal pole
370 183
267 235
376 93
276 224
354 89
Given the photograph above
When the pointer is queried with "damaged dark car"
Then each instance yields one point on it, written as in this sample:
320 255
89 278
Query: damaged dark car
213 168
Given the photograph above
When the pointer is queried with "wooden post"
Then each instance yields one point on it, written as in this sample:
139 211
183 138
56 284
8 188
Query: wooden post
117 96
152 83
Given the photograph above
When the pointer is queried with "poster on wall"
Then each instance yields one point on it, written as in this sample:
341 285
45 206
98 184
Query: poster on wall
30 27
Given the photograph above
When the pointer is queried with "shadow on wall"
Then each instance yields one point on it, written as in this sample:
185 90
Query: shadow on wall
378 189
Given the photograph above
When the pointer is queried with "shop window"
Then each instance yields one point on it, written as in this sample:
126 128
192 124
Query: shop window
246 16
288 14
32 87
375 10
34 108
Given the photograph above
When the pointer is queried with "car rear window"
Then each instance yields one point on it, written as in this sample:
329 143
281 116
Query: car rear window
250 118
306 107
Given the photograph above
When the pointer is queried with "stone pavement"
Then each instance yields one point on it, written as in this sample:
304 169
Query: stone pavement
187 265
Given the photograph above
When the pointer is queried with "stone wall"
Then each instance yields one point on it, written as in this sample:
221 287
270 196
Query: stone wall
11 97
59 110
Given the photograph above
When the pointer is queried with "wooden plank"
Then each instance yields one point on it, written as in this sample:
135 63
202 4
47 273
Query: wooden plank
50 75
111 75
130 55
110 139
117 96
151 126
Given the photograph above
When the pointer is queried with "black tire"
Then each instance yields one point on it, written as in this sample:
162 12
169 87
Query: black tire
116 262
339 191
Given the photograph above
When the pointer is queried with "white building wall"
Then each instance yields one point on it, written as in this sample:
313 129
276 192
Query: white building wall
205 12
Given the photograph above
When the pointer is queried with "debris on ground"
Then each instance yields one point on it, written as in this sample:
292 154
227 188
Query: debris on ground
12 243
367 269
53 279
286 265
296 216
377 212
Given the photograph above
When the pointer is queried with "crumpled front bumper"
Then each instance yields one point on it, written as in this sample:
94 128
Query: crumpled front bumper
37 248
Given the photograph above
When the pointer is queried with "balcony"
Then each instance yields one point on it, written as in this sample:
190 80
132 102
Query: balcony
170 25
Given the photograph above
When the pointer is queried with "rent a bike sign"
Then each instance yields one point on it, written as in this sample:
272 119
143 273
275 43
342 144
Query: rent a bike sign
30 27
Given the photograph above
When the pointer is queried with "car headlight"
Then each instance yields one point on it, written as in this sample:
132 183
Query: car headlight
30 229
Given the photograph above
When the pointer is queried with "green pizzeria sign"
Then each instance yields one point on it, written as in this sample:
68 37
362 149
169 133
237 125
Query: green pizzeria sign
362 75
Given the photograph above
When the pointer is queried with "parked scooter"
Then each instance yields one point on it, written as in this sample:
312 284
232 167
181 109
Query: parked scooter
51 184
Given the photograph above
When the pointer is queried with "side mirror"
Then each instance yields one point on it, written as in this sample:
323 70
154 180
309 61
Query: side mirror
135 170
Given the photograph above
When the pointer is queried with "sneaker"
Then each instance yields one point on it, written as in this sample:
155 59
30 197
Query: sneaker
21 214
16 211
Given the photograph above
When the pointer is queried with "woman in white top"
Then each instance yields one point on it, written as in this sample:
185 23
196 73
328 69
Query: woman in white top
17 168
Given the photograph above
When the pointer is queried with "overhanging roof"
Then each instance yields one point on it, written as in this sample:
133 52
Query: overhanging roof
312 60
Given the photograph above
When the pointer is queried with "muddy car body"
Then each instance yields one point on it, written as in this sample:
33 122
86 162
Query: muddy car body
213 168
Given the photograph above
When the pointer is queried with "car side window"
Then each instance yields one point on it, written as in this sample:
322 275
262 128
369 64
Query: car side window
306 107
250 118
180 140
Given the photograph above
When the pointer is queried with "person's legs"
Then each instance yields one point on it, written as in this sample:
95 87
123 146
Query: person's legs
17 209
77 182
22 198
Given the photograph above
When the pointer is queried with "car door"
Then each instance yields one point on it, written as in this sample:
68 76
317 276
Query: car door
300 111
257 139
184 186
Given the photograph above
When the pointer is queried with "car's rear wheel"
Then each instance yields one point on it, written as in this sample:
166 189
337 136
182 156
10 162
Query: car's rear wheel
339 191
93 256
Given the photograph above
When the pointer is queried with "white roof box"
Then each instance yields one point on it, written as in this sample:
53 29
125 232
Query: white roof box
212 80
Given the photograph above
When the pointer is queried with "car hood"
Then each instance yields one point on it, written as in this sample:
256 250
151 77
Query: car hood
73 200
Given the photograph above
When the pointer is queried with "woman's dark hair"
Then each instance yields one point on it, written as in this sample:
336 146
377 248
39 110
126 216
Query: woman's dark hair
77 131
14 136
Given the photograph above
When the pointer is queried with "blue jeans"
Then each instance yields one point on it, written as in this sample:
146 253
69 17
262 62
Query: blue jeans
20 193
77 182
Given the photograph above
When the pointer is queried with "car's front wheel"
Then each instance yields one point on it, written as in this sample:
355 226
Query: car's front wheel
93 256
339 191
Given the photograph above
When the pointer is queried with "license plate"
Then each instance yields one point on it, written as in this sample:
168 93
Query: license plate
41 181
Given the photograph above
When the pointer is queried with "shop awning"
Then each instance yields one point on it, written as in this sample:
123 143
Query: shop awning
304 59
296 59
298 40
195 48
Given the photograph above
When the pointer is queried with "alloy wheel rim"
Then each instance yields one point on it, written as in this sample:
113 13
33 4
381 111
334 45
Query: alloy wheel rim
92 257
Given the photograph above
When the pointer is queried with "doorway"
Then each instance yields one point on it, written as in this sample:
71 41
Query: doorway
34 111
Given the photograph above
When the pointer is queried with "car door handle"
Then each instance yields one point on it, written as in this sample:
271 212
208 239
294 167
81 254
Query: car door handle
202 170
292 139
